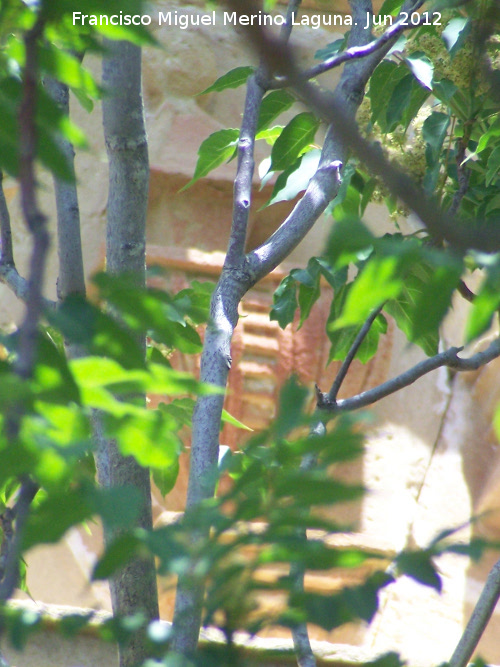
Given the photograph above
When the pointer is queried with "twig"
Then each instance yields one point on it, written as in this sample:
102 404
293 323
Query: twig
303 650
244 173
337 383
291 13
13 539
349 54
463 173
448 358
7 254
479 619
300 634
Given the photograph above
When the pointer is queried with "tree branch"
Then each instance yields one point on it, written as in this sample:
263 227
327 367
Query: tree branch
461 234
257 86
300 633
244 174
237 277
26 352
321 190
71 278
12 538
463 173
350 54
291 12
9 274
479 619
337 383
7 253
35 220
216 362
325 183
448 358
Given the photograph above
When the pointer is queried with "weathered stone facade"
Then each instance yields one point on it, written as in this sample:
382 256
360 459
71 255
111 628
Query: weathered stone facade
431 459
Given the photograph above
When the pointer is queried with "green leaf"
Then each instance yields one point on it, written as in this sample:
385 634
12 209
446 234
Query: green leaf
150 438
444 90
347 175
72 624
434 132
273 105
342 339
118 554
229 419
21 625
118 507
390 659
291 403
390 7
402 308
84 324
53 516
295 137
330 49
348 239
181 409
152 311
218 148
67 69
52 379
359 602
233 79
382 83
407 98
137 35
270 135
484 307
296 178
493 166
419 566
422 68
316 489
455 34
377 282
284 302
490 135
435 300
309 291
165 478
399 101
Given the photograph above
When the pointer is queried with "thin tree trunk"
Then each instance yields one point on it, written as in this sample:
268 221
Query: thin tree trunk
133 588
71 278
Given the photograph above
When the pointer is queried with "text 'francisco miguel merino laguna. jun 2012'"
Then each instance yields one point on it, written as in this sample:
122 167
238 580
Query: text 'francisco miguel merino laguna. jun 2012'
192 19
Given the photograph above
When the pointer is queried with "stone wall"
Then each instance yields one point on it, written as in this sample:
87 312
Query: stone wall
431 458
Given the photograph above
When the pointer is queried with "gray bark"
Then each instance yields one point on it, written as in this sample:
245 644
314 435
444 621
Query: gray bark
133 588
479 620
69 244
239 274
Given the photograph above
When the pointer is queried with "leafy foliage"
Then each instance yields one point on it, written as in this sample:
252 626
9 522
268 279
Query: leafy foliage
430 105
